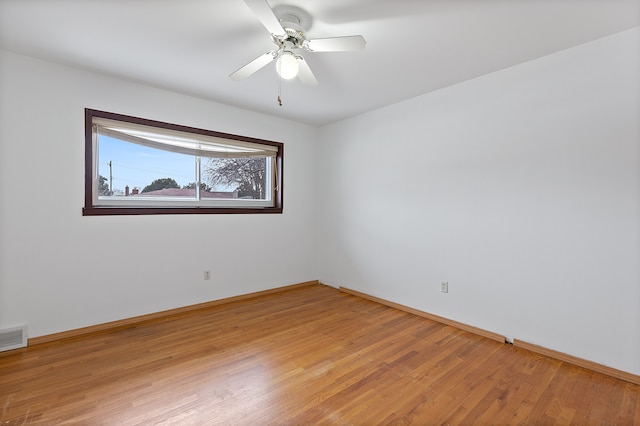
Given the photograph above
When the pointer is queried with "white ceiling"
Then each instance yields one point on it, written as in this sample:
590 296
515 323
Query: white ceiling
413 46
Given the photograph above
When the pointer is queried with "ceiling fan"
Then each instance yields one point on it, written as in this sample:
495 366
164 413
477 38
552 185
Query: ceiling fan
287 25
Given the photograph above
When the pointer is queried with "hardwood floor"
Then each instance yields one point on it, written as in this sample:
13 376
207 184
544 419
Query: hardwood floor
311 355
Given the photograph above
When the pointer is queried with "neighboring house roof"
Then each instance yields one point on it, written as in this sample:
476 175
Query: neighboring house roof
183 192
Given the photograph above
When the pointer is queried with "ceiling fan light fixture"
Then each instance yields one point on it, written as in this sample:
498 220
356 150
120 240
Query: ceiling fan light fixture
287 26
287 66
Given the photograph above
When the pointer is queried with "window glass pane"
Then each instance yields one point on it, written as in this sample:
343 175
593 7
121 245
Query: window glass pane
130 170
246 177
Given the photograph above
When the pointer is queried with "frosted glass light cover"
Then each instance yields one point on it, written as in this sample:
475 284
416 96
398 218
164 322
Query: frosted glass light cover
287 66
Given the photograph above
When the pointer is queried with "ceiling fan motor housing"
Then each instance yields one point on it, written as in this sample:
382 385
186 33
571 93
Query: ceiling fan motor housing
295 22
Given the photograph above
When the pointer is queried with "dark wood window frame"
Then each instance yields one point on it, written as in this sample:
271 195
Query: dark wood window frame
96 210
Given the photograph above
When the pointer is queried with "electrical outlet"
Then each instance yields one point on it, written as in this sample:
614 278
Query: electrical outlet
444 286
206 275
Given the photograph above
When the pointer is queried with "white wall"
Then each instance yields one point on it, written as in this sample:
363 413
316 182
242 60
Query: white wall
60 270
521 188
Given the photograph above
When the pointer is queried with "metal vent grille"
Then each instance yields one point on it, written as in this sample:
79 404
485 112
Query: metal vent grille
13 338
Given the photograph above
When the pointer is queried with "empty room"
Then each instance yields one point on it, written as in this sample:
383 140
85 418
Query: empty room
319 212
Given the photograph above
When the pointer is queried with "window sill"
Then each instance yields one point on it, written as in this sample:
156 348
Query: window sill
120 211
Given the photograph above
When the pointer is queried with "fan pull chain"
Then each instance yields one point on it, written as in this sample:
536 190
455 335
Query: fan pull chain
279 91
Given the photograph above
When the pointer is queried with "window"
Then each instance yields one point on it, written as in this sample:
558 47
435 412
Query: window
139 166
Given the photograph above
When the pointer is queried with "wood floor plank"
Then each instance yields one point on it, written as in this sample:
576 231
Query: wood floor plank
309 355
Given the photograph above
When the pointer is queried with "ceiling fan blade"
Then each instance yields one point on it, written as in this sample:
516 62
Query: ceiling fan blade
305 74
253 66
336 44
266 16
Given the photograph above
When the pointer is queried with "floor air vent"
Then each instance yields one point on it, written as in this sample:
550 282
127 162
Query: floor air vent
13 338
